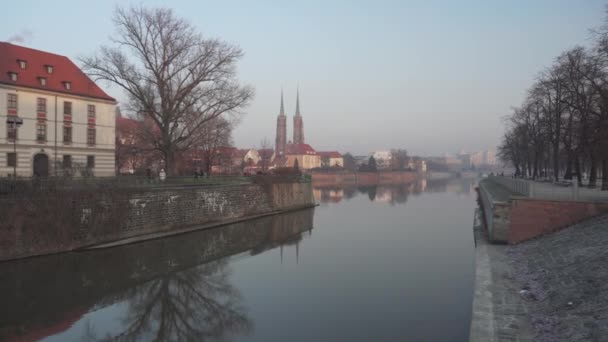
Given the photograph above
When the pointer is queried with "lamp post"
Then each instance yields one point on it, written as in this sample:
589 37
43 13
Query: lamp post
14 123
133 153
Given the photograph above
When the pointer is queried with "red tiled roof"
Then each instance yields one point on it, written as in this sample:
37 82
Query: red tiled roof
265 153
239 153
63 71
330 154
126 124
300 149
226 150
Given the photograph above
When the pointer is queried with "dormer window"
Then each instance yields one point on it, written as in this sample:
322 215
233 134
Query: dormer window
42 81
67 85
49 69
22 64
13 76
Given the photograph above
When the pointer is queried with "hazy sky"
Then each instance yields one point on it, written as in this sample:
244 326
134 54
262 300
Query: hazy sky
427 76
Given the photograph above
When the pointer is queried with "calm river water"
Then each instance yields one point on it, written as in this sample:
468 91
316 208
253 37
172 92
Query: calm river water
371 263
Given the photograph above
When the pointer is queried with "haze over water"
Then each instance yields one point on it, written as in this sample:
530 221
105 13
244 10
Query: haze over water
370 264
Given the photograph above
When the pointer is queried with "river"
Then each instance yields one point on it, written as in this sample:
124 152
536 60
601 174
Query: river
371 263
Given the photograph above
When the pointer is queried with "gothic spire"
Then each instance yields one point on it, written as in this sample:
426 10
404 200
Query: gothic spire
298 102
282 106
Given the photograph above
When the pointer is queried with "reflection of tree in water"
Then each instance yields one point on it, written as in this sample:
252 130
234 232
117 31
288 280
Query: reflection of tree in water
198 304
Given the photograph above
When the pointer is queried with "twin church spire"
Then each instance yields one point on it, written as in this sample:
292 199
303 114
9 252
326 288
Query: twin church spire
298 127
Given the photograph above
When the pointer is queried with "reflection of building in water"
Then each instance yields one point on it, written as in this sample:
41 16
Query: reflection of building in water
383 194
173 279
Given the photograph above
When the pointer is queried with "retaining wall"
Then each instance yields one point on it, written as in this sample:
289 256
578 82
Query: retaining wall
533 217
60 221
363 178
497 216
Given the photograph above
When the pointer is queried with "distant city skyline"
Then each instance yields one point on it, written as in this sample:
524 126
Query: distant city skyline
427 76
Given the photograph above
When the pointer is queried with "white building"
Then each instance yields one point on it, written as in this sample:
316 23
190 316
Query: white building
383 159
68 121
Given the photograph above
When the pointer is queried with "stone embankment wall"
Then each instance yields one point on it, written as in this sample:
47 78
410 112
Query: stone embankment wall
533 217
511 218
57 221
363 178
497 215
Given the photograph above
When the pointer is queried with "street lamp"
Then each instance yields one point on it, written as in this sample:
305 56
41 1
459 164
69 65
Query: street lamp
14 123
133 153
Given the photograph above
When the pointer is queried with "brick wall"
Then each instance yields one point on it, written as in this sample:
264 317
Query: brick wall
54 222
531 218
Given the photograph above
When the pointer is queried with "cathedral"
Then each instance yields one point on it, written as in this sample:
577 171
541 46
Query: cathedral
286 153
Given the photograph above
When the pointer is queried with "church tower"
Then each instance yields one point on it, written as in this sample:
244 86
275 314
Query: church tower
281 137
298 123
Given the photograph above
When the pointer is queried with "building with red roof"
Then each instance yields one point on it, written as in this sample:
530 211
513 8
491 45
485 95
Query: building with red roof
67 121
306 156
331 159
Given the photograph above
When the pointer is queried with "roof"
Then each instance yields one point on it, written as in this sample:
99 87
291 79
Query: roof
300 149
36 61
330 154
265 153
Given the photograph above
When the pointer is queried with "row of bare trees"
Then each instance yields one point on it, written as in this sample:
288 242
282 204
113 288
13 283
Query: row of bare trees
561 128
181 84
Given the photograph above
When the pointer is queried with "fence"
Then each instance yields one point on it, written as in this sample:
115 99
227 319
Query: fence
550 191
24 185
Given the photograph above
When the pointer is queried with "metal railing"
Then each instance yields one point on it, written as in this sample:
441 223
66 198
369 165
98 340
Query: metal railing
550 191
21 185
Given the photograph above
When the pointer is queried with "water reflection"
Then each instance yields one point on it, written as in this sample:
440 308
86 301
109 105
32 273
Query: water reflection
194 305
392 194
175 289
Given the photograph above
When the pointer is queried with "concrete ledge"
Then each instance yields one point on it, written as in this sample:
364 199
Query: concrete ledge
498 312
210 225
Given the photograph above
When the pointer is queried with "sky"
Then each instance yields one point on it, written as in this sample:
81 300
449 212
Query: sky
431 77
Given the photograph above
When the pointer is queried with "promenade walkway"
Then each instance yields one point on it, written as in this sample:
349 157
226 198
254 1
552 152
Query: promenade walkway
554 288
551 191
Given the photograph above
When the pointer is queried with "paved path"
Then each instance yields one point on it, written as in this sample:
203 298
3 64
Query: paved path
565 275
499 311
497 191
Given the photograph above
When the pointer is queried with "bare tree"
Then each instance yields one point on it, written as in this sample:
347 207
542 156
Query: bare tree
172 75
265 155
215 134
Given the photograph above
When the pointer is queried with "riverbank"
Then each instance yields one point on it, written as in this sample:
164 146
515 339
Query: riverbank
363 178
46 222
552 288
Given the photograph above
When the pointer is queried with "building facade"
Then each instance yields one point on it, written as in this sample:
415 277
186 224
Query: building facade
331 159
306 156
68 122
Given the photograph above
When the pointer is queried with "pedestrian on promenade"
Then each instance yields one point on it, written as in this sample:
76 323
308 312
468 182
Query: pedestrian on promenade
162 175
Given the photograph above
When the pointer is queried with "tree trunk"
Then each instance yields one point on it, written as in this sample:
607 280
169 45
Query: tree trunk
593 172
605 174
577 169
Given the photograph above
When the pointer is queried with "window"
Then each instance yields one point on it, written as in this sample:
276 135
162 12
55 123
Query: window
91 136
67 107
67 85
67 134
41 131
67 161
91 111
12 101
49 69
90 162
11 132
41 105
11 159
13 76
22 63
42 81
